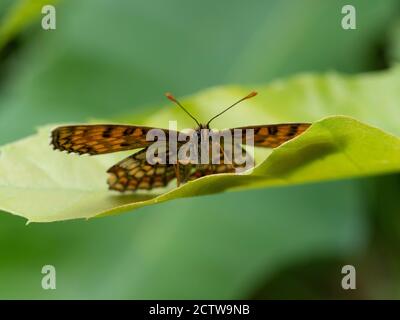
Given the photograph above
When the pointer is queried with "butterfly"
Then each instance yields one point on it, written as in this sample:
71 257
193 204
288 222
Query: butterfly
136 172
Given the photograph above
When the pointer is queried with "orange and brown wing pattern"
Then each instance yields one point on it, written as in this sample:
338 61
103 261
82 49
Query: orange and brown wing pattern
134 172
201 170
100 139
207 169
273 135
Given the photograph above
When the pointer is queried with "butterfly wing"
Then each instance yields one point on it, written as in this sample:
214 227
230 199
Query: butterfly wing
267 136
198 171
134 172
272 135
222 162
101 139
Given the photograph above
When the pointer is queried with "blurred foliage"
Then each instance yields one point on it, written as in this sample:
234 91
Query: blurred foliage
394 43
4 8
103 60
19 17
378 267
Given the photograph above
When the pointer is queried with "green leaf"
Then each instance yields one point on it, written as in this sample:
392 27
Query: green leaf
45 185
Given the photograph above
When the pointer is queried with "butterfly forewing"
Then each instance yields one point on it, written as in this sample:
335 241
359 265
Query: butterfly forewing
100 139
272 136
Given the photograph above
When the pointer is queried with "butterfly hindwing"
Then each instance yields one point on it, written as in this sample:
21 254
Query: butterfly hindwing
223 162
134 172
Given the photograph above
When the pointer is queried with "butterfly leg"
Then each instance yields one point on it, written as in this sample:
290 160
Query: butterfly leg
177 173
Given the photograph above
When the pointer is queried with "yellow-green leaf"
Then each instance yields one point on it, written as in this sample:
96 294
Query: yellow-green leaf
20 15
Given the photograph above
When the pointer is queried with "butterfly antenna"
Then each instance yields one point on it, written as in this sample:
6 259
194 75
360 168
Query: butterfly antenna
172 98
250 95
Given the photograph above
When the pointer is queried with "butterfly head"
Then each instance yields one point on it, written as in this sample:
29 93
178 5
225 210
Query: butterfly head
207 125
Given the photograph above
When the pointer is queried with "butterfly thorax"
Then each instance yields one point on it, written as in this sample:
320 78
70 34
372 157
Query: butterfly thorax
203 126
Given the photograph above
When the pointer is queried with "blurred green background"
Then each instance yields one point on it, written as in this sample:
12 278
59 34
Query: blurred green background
107 58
